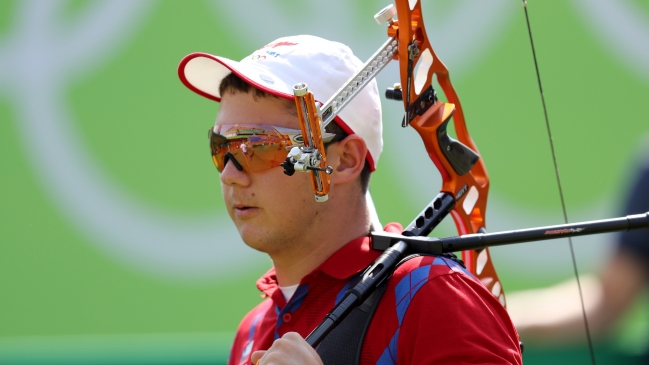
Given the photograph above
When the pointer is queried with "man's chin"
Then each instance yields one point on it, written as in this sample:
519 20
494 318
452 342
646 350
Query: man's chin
266 243
264 238
255 239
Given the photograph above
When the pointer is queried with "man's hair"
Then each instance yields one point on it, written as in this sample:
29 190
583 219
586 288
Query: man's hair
233 83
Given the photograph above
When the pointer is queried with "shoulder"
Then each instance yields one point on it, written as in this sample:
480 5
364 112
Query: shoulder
416 271
433 310
434 280
439 282
434 266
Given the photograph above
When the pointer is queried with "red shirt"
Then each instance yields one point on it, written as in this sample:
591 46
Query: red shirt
433 311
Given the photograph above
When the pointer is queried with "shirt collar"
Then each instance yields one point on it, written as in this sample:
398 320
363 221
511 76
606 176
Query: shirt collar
349 260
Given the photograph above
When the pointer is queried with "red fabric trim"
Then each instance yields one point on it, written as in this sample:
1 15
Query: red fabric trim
348 130
349 260
354 256
268 285
183 78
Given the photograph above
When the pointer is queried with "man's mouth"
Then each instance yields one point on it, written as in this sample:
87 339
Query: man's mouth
241 210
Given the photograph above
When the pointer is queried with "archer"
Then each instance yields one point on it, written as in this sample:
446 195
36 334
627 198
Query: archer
431 311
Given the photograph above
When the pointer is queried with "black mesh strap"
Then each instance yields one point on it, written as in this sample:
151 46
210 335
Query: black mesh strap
343 345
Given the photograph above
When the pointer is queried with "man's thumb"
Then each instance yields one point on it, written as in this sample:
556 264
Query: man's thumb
256 356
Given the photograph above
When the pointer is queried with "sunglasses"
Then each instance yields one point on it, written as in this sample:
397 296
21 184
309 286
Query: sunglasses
255 147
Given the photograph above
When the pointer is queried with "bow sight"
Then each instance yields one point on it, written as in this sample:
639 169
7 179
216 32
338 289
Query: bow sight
315 117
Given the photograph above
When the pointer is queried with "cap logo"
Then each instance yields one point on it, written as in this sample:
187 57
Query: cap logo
279 44
266 79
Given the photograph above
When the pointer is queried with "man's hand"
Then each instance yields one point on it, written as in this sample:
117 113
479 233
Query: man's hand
290 349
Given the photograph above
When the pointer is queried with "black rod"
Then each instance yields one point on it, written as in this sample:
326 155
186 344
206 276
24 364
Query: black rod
383 267
371 279
478 241
436 246
430 217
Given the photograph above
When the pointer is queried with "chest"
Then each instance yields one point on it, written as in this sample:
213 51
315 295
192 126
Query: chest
303 312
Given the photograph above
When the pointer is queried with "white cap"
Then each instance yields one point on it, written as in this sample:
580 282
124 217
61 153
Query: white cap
323 65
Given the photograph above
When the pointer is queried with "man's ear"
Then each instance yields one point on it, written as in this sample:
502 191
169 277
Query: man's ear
347 158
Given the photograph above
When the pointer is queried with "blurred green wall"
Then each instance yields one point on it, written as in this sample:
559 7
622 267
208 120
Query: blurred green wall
114 243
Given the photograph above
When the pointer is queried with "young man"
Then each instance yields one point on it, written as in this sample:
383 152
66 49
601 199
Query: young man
432 311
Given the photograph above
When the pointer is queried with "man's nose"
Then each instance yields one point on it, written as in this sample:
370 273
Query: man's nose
233 173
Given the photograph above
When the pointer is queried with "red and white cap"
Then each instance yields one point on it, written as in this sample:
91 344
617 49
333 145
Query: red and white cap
323 65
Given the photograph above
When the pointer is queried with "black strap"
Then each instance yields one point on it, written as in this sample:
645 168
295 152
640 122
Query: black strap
343 345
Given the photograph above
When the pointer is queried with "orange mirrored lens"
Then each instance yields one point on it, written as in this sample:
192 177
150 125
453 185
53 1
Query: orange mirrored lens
255 147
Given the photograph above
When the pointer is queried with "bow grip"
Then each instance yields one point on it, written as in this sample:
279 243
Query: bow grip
433 130
461 157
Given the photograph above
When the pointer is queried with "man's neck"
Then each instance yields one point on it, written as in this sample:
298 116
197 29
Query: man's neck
294 264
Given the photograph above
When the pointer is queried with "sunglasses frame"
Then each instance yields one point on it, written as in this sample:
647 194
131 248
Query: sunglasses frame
287 136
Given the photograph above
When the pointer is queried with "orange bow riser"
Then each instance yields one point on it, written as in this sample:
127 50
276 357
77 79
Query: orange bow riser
462 169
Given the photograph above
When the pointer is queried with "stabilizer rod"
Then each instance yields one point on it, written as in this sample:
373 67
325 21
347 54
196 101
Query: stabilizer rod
436 246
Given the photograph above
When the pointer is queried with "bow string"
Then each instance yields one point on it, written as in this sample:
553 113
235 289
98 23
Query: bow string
558 179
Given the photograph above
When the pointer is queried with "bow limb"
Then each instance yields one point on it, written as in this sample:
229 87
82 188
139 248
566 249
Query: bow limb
462 169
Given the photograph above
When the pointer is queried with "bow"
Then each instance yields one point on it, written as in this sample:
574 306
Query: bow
463 172
465 182
462 169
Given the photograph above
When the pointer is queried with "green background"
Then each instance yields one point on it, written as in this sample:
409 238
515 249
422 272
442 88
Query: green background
64 299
